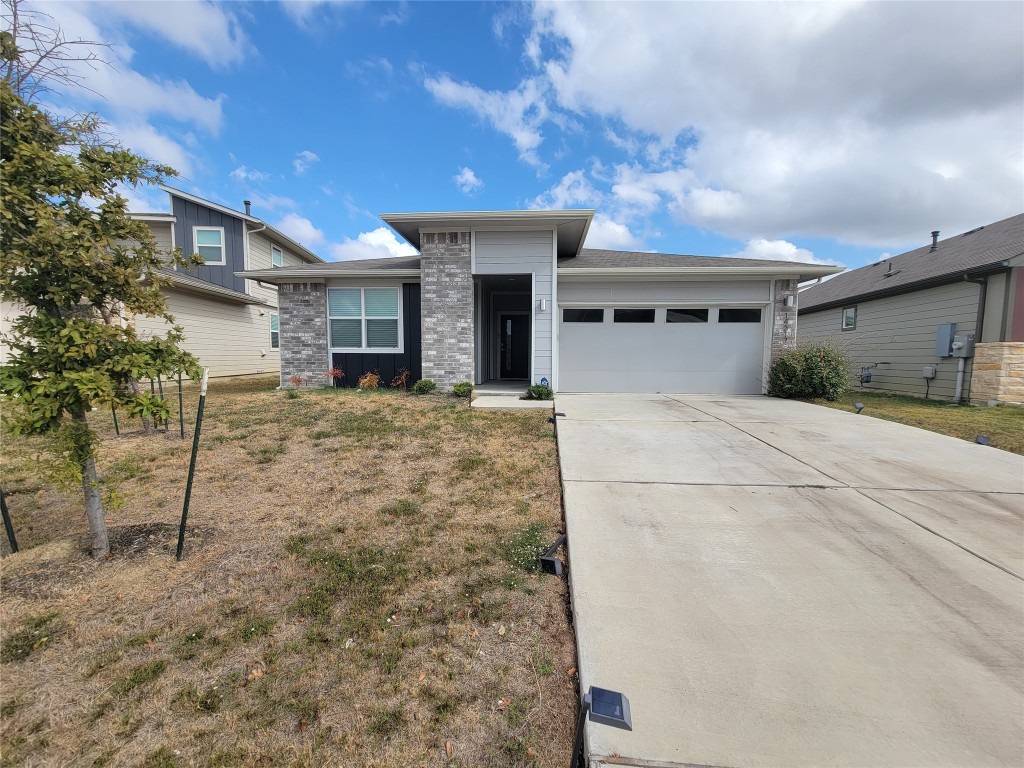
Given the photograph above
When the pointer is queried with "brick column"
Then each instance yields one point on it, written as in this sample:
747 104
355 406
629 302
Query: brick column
446 293
783 317
302 308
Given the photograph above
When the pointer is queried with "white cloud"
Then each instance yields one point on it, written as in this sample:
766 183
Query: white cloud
302 230
145 140
244 173
467 181
303 160
871 123
572 191
379 243
613 235
518 113
271 203
777 250
209 31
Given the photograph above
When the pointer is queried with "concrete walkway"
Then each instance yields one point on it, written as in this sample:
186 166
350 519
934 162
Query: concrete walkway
775 583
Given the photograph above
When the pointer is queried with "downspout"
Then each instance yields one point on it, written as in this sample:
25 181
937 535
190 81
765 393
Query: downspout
979 323
248 232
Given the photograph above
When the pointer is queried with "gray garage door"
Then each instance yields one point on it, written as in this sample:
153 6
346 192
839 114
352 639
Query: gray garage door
687 350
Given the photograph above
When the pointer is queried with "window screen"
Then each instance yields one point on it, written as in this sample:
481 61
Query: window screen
686 315
634 315
582 315
739 315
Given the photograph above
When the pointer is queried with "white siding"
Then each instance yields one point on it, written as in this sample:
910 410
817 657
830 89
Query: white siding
232 339
9 312
521 253
900 330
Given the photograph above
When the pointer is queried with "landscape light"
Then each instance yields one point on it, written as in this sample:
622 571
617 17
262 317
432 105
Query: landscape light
548 562
982 440
604 707
859 407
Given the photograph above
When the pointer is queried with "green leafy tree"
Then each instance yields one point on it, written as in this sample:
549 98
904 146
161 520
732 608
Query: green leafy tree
81 268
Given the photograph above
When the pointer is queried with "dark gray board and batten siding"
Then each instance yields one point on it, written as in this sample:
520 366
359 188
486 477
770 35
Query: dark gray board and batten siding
355 364
188 215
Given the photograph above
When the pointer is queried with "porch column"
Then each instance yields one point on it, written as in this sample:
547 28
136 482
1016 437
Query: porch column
446 294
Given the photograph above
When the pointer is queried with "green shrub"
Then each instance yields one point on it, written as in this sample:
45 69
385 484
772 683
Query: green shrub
539 392
809 372
463 389
423 387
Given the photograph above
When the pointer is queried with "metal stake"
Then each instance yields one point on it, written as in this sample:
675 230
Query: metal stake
192 463
7 522
181 408
113 412
160 386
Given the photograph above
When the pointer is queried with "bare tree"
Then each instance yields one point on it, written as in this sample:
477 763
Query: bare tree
35 54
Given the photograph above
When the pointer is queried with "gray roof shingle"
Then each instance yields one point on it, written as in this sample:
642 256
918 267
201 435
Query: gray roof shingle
974 250
593 258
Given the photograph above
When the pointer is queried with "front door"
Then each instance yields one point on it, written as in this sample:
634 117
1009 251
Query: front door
513 346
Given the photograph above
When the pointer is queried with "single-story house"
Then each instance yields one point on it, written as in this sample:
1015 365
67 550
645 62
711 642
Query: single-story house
230 323
918 323
513 297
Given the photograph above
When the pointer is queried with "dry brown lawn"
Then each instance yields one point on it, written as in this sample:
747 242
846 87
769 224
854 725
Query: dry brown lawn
352 593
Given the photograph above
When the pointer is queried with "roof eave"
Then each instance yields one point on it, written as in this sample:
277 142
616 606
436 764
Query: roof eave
800 271
287 275
950 277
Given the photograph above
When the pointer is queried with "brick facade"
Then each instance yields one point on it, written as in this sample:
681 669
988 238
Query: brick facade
997 375
784 318
303 315
446 292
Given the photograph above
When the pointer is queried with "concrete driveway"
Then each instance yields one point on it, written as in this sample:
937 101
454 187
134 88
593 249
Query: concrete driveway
777 583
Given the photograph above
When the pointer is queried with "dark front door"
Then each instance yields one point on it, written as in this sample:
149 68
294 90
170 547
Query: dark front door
513 346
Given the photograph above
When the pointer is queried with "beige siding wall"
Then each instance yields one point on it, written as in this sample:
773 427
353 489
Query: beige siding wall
163 233
231 339
900 330
8 313
259 258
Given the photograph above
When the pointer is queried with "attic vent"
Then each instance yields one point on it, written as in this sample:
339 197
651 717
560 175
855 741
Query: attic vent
976 229
892 272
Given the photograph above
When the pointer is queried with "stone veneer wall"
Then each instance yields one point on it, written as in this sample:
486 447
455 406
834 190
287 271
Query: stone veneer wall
783 317
998 373
446 294
302 310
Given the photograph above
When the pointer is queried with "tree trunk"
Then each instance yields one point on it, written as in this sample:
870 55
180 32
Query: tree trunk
93 498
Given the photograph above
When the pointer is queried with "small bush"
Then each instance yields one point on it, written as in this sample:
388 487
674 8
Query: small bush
809 372
291 394
539 392
334 373
369 380
423 387
296 380
463 389
401 380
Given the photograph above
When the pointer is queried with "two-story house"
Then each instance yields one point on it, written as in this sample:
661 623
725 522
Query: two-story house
231 323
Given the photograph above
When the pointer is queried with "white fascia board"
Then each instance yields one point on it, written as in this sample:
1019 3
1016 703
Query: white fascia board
168 217
281 275
802 271
473 218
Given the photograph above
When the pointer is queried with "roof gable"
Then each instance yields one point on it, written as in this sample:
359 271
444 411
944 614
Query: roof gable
984 247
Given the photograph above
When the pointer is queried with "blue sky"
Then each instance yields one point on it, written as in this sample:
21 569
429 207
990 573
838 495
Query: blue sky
837 132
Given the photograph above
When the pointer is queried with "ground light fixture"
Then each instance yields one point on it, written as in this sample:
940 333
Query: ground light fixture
859 407
601 706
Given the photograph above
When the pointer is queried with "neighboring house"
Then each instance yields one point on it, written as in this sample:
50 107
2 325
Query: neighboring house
512 296
231 324
896 314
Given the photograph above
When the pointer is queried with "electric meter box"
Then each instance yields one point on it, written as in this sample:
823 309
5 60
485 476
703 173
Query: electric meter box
944 339
963 345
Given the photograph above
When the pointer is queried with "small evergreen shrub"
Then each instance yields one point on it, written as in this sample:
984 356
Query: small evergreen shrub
539 392
809 372
463 389
423 387
369 380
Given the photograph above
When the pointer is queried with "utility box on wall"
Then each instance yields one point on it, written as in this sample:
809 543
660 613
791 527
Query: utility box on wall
944 339
963 345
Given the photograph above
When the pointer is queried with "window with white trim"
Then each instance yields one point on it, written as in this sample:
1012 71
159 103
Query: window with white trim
364 318
275 330
849 318
208 242
276 256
